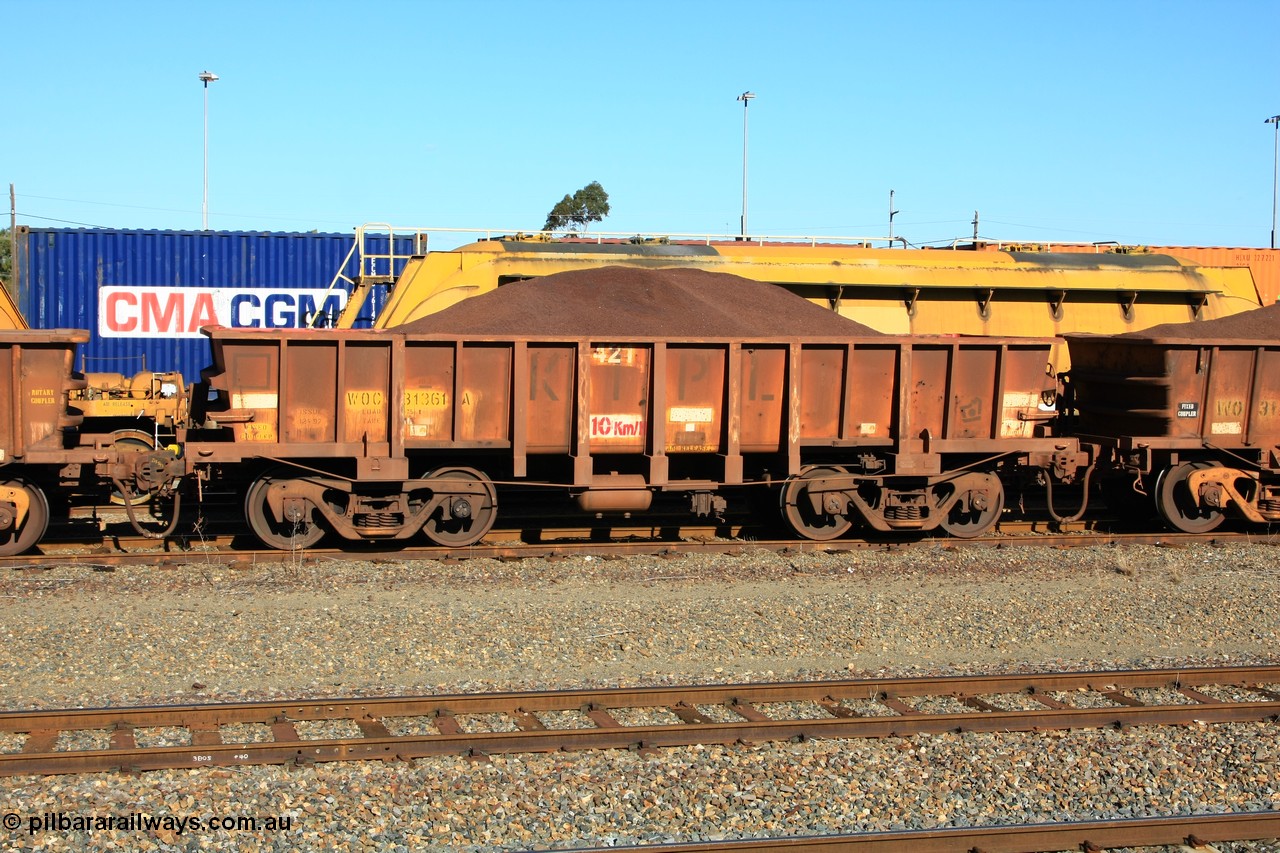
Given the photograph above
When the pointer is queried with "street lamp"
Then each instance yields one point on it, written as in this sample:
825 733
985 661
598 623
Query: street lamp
745 97
206 77
1275 176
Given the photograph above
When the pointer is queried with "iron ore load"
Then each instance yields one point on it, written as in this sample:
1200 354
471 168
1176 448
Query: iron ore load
1190 414
628 392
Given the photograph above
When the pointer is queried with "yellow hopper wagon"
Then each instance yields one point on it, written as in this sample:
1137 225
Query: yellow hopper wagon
895 291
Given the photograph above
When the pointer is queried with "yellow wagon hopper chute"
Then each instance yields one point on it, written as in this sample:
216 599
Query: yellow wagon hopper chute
159 396
895 291
10 316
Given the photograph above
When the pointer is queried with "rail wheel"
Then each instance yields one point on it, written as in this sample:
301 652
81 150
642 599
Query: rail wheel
1173 500
977 509
798 509
466 518
291 534
16 538
131 439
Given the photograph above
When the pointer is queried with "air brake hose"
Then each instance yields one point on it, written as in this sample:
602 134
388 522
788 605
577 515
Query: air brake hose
1084 501
128 506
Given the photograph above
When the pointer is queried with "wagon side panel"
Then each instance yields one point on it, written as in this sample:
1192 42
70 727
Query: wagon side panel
822 388
1027 390
251 373
484 394
429 393
549 416
36 367
873 395
695 398
763 392
365 401
618 391
1265 417
310 385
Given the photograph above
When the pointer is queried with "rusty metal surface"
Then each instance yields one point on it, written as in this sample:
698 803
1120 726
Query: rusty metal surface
1263 264
1187 831
317 394
620 419
1226 393
751 706
37 370
41 446
160 396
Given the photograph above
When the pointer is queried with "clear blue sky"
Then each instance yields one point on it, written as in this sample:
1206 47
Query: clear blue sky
1141 122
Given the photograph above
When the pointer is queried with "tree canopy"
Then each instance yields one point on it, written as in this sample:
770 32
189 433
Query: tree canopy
589 204
6 261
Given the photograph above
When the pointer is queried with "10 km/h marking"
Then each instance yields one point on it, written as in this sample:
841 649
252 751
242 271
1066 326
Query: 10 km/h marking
617 426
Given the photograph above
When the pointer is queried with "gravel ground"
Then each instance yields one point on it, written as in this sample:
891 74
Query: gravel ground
75 636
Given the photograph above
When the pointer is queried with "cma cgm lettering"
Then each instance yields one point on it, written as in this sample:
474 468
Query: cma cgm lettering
168 312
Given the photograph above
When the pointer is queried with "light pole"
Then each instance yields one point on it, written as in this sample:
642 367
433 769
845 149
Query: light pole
1275 176
892 213
745 97
206 77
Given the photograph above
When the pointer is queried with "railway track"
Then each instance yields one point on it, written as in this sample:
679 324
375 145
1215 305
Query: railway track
103 534
405 728
1191 831
121 549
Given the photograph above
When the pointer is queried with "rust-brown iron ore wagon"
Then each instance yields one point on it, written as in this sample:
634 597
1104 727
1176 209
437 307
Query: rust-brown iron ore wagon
34 422
378 435
1192 425
42 446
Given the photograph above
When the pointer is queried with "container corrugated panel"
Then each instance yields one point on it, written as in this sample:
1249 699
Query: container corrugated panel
143 295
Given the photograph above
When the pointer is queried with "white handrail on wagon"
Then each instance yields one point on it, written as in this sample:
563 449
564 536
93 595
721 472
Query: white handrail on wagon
367 267
481 234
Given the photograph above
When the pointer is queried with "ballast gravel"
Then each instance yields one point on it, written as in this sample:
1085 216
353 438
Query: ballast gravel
202 631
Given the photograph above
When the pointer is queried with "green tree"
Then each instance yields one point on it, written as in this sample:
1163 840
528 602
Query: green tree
589 204
6 258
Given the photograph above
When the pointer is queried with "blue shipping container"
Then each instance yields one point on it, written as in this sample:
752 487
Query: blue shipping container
143 295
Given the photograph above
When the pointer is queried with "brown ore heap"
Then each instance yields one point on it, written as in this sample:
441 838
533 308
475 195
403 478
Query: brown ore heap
640 302
1259 324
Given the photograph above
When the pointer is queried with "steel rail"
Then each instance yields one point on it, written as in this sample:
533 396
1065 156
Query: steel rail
145 552
1193 831
597 724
